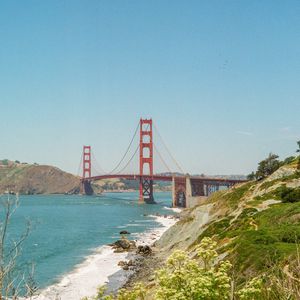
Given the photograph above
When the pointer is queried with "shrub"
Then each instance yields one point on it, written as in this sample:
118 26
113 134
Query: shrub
289 194
184 278
252 290
137 293
288 160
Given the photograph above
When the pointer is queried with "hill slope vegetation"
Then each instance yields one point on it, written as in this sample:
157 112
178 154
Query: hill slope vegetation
255 227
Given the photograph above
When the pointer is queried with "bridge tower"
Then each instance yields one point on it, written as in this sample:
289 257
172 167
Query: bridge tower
87 171
146 159
87 164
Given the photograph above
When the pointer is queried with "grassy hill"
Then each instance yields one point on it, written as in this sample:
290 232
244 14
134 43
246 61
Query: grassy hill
256 226
36 179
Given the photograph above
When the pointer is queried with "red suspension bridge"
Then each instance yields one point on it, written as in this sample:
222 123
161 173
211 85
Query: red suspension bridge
138 164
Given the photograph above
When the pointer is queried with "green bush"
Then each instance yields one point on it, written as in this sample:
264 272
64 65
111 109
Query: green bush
289 194
262 237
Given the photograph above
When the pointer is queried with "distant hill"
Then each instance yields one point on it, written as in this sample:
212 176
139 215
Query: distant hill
232 176
36 179
116 184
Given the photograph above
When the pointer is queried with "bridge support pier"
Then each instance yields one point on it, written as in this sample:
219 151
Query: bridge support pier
190 191
146 160
86 188
179 191
146 191
186 191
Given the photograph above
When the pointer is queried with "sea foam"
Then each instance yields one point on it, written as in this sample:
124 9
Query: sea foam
100 268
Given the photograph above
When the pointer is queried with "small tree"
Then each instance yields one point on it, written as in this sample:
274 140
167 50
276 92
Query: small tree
11 279
267 166
251 176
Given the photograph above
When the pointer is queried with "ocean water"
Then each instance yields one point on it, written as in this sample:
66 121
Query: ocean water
68 228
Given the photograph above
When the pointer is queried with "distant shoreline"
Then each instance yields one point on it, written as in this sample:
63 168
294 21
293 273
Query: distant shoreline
74 194
131 191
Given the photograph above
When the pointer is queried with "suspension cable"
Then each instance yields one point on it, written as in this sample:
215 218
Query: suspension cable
137 148
168 150
80 165
133 153
97 168
162 159
127 150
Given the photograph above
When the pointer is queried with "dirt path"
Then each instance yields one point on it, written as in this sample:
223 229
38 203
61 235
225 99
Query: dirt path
252 223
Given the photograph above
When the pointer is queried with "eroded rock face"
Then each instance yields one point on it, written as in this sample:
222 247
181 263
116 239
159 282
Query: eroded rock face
281 173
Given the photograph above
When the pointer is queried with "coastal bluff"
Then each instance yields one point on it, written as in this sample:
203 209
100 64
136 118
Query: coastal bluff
255 226
30 179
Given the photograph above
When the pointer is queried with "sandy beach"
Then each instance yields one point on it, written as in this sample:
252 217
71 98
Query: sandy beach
100 268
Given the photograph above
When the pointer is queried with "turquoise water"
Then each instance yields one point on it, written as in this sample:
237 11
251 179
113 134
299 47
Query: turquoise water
68 228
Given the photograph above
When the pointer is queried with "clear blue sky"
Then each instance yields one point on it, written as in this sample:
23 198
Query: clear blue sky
221 79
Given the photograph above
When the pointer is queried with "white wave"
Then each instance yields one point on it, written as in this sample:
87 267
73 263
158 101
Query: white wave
97 268
151 236
175 209
86 277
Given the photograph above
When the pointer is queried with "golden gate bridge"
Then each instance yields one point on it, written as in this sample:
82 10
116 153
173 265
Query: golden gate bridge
137 163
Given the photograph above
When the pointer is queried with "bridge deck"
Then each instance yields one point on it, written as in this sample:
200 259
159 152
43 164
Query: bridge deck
166 178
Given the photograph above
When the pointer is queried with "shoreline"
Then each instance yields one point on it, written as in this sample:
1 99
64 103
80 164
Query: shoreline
101 268
131 191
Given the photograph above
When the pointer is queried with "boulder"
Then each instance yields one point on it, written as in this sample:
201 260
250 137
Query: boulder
121 263
144 250
124 232
130 263
126 265
123 243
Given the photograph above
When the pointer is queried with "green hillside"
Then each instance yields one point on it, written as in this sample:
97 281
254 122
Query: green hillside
255 226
